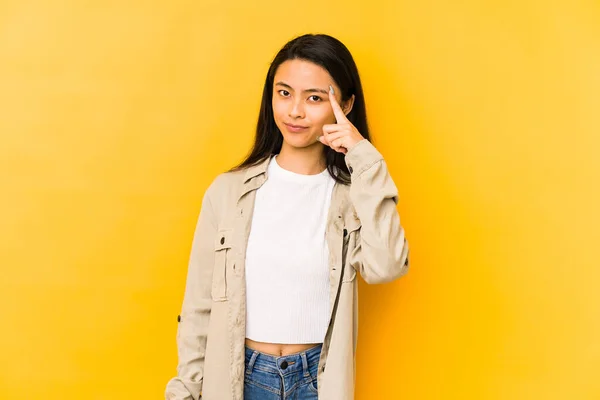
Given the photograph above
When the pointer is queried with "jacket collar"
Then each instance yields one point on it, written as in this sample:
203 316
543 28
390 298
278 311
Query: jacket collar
257 169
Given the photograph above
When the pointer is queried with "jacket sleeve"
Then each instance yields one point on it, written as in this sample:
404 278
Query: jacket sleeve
192 328
381 251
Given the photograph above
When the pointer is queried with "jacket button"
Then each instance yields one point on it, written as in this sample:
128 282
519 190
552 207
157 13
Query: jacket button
222 240
350 169
284 365
179 318
345 232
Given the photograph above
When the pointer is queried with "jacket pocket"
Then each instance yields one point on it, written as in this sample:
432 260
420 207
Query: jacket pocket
222 250
351 237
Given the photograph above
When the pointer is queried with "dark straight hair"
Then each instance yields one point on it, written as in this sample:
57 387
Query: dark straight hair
330 54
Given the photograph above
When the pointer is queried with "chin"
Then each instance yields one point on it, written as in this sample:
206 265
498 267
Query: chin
300 142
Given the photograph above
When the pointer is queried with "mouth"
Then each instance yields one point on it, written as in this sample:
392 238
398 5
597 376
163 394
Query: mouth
295 128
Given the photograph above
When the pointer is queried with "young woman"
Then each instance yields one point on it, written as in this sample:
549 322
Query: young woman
270 304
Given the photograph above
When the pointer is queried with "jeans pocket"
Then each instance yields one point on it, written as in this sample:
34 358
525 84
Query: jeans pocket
312 385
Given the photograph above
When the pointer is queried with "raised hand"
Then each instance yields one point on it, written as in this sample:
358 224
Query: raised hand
342 135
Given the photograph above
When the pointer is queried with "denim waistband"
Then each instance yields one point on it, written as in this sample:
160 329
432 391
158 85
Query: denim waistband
293 363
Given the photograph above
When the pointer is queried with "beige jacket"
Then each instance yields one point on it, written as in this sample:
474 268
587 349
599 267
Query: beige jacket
364 234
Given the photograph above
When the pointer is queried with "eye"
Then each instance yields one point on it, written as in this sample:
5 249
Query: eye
315 98
283 93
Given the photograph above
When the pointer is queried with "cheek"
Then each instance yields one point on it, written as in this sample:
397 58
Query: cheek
322 116
278 108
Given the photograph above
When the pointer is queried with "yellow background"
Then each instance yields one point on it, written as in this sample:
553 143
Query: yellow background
115 117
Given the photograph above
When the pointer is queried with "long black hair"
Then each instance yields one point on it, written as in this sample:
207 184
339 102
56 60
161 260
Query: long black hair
332 55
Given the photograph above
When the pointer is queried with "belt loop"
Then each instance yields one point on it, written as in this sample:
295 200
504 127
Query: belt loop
305 364
251 362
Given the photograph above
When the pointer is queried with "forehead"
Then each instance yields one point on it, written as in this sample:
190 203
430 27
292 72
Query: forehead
301 74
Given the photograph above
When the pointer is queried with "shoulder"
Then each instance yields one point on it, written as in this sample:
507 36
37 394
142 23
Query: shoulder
225 185
222 194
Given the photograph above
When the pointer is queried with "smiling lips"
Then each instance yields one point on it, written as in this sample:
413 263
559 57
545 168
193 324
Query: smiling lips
296 128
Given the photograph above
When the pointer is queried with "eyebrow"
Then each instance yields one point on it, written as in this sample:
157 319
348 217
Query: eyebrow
314 90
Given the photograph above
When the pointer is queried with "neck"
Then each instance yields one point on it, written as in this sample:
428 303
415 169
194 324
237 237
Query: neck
307 161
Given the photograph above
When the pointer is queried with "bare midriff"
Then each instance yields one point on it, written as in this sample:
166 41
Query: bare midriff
278 349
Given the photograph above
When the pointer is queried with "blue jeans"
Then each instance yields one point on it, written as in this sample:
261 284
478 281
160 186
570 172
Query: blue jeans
291 377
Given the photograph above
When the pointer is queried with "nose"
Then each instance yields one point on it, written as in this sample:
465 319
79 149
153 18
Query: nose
297 110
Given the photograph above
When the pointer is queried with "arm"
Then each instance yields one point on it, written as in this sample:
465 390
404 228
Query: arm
381 253
195 314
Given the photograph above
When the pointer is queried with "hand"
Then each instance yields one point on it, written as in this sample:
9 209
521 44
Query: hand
342 135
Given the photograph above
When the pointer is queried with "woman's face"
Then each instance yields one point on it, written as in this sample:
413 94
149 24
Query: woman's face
301 102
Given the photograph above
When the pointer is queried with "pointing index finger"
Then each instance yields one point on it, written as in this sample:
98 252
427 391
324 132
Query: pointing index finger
337 110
